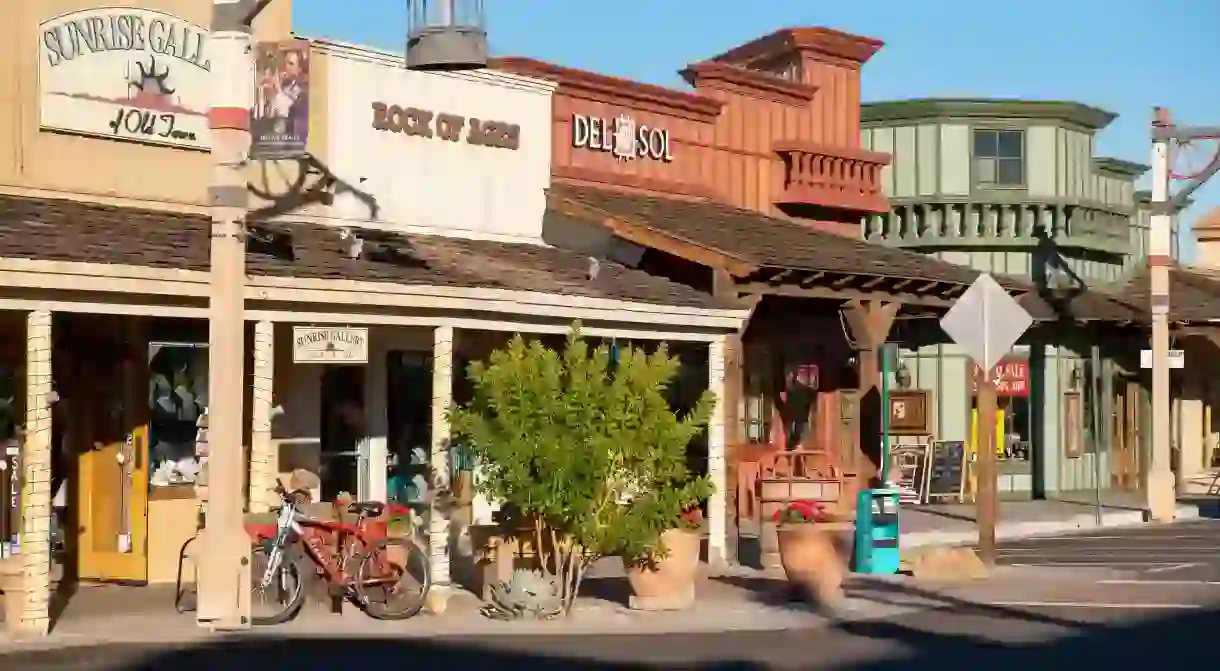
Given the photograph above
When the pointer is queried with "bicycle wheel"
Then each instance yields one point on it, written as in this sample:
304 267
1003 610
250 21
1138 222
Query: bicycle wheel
393 579
284 595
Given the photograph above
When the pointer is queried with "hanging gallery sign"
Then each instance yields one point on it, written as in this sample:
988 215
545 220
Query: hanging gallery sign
330 344
125 73
623 137
279 126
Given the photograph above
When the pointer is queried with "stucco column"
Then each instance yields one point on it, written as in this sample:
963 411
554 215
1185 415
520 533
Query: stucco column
264 459
1212 440
36 477
442 401
717 521
376 419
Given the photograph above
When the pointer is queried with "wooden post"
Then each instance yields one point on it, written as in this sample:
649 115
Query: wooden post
869 323
986 500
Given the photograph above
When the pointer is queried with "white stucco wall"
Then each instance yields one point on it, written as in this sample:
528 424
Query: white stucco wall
433 185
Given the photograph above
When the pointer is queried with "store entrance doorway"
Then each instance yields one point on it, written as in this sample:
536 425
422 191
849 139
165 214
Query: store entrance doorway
102 368
344 449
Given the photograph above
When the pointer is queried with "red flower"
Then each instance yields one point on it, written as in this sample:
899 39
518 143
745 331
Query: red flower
801 511
691 519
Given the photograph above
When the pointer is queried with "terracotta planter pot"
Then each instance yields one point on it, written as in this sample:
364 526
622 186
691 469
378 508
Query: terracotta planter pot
814 557
670 579
396 553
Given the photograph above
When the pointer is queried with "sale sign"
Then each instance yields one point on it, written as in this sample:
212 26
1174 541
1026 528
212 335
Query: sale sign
1010 376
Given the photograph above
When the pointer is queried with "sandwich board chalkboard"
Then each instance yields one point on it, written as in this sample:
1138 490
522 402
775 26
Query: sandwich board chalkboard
909 472
947 469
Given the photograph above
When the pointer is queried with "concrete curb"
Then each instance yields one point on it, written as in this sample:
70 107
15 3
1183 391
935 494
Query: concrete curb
712 617
1034 529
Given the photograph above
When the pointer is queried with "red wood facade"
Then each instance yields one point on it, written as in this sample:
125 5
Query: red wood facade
771 126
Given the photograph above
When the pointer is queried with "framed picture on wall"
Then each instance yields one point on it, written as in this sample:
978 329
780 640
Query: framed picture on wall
908 411
1072 425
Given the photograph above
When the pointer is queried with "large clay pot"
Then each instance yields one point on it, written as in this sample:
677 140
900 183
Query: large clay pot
814 557
672 577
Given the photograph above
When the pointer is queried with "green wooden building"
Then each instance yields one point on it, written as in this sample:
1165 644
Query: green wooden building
1006 186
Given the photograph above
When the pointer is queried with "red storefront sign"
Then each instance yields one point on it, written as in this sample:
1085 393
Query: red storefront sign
1011 377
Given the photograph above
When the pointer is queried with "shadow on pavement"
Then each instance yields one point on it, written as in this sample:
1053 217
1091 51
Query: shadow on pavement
307 654
904 594
1180 641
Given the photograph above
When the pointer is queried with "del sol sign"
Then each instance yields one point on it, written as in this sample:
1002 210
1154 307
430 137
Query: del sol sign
622 137
125 73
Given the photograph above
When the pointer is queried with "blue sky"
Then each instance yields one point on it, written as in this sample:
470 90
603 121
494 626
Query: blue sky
1122 55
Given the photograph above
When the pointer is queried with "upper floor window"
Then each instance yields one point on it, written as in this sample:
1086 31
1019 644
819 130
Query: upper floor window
999 157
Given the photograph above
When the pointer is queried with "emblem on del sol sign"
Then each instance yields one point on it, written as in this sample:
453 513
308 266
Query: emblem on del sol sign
125 73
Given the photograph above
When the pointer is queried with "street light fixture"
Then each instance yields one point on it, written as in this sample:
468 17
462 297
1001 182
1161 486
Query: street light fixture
446 35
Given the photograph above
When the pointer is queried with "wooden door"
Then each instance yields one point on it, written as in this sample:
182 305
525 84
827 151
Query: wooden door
1125 465
112 470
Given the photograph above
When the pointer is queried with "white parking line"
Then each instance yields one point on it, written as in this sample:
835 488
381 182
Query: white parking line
1169 551
1056 539
1159 583
1099 564
1086 604
1167 569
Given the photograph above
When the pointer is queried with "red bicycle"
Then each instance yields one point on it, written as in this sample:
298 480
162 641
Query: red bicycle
356 561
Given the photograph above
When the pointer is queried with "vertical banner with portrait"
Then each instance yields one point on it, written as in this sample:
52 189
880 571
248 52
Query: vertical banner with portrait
279 124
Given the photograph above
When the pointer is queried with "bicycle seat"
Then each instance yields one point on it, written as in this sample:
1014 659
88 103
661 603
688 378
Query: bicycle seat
367 508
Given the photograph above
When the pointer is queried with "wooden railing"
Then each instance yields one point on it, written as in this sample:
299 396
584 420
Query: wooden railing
842 178
769 477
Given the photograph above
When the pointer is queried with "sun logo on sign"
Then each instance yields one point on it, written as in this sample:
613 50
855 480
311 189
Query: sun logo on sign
152 89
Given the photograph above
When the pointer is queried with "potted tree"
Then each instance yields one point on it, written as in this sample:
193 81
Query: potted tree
813 549
583 451
662 575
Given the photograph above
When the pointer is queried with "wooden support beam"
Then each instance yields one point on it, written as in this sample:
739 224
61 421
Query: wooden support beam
841 294
870 323
781 277
812 279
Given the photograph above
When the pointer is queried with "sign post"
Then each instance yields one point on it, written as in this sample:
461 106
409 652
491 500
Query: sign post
986 322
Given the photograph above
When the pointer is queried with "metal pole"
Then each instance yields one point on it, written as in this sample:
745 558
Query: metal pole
1161 497
1095 406
224 567
987 503
886 351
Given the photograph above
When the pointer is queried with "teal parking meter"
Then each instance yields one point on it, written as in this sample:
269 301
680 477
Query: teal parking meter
876 550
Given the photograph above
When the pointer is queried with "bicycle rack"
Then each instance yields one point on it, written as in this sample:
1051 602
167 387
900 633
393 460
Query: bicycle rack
180 595
181 604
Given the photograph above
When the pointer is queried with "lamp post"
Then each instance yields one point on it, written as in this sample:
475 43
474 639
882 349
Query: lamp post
1167 137
445 35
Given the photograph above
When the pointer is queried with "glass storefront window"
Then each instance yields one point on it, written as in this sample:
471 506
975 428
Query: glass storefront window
758 395
178 401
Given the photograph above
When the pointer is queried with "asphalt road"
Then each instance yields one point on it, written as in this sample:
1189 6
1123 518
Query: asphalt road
1187 552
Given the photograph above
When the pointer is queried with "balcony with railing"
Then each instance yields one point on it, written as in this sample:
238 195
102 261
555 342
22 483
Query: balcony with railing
841 178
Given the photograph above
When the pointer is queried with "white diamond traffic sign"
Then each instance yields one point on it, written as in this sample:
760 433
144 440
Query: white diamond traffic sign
986 322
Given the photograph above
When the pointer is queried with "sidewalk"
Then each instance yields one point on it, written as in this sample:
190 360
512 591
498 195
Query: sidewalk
739 600
954 524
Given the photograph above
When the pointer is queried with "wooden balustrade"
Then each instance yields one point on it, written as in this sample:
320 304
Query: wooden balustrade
837 177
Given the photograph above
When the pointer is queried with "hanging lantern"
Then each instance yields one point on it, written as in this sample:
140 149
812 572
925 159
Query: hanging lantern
446 35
